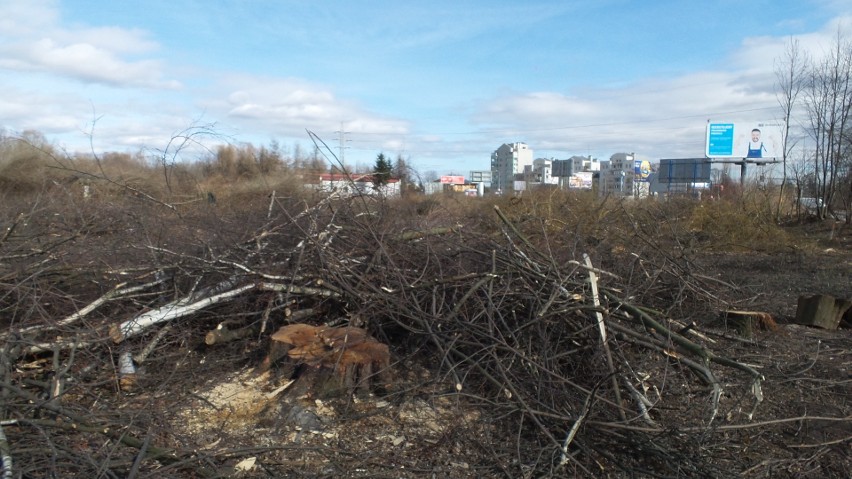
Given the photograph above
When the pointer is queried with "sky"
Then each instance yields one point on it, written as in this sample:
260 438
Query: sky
441 83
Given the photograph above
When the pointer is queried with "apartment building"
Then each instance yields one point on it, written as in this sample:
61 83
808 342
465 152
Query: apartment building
508 161
617 175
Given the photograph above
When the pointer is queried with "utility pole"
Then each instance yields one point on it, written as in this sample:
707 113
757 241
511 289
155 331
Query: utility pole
341 138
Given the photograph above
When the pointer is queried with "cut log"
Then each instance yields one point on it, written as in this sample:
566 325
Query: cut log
821 310
747 322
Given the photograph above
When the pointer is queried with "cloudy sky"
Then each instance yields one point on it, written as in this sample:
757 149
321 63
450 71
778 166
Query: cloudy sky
443 83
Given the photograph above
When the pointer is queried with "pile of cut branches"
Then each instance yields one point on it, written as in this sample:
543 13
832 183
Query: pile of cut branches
572 373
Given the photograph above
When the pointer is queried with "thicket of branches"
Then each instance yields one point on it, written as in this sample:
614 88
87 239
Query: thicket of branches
572 362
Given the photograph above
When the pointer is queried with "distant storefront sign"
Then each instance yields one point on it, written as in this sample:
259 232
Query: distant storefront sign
452 180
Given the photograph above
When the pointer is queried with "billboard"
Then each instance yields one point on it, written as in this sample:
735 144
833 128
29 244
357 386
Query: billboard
562 168
452 180
751 140
581 180
641 170
685 170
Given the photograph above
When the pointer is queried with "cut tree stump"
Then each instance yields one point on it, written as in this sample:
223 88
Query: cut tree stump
821 310
747 322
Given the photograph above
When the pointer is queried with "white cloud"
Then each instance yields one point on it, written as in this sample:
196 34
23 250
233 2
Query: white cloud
288 106
24 18
33 40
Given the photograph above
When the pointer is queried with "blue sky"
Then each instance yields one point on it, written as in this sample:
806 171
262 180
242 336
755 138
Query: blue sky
443 83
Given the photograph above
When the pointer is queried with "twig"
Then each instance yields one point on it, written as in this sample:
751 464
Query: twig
642 402
821 444
727 427
78 424
168 312
271 203
149 348
134 469
602 328
584 412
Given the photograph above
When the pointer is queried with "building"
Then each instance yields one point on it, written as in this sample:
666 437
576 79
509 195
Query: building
584 163
617 175
543 172
356 184
575 172
481 176
506 162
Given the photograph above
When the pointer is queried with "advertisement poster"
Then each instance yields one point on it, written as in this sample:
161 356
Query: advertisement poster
641 170
750 140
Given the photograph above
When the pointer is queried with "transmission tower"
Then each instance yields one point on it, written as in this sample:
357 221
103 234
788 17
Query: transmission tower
341 138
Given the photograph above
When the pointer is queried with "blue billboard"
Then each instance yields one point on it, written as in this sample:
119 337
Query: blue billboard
720 140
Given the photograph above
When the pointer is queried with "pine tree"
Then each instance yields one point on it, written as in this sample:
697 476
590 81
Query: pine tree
382 170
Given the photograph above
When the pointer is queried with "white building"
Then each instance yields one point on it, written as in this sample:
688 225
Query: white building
506 162
584 163
617 175
543 172
357 184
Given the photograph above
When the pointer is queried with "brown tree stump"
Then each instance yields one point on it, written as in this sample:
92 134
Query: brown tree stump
747 322
821 310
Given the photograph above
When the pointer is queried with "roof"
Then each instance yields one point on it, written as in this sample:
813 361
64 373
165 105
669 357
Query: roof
358 178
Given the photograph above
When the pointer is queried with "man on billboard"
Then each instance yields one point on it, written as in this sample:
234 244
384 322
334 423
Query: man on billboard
755 146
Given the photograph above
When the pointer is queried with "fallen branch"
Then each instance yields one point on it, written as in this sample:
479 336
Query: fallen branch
168 312
182 307
684 343
587 406
117 292
5 455
593 281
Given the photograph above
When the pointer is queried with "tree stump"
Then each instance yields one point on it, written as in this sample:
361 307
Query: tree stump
747 322
822 311
331 360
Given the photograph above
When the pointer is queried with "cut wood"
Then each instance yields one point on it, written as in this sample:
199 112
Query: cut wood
821 310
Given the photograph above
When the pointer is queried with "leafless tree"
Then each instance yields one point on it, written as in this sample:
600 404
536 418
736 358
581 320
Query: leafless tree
790 71
828 100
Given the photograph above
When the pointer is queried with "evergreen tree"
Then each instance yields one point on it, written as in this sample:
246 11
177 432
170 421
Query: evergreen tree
382 170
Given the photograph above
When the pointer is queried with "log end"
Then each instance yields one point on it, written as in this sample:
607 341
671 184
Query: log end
822 311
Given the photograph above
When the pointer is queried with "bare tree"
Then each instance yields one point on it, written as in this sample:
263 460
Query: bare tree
828 100
790 71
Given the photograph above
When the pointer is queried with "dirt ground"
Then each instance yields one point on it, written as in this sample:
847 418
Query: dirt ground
808 371
773 282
